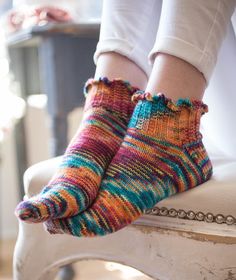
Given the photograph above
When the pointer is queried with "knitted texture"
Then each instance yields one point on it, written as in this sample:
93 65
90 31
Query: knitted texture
75 185
162 154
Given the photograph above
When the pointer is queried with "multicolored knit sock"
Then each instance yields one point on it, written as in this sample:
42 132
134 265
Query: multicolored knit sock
162 154
75 185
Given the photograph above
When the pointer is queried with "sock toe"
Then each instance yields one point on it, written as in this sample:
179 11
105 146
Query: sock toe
27 212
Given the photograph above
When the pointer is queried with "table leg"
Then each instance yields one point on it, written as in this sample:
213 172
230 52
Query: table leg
58 140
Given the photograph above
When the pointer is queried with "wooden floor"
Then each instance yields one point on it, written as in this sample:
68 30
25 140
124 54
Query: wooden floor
85 270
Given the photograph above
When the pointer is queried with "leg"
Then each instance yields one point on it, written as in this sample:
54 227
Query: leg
176 78
162 153
193 46
106 115
124 25
114 65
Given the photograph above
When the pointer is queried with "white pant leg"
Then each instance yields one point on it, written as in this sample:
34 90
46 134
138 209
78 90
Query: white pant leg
129 27
193 30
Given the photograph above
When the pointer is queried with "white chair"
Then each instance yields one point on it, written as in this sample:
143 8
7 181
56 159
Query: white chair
189 236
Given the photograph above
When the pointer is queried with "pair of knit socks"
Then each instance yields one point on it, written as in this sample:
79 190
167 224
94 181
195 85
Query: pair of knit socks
127 156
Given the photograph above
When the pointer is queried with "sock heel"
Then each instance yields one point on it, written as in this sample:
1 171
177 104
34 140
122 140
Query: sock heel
199 156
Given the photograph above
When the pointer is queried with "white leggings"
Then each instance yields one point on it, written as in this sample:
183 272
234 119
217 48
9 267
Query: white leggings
192 30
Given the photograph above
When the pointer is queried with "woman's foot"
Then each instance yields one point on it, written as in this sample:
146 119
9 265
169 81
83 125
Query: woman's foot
162 154
75 185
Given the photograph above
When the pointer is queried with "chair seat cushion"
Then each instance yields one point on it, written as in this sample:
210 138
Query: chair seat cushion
213 201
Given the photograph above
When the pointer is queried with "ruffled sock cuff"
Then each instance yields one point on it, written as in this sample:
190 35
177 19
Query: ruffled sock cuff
104 80
113 95
176 121
169 104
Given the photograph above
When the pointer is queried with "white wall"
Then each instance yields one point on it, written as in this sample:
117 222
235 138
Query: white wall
37 129
8 188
